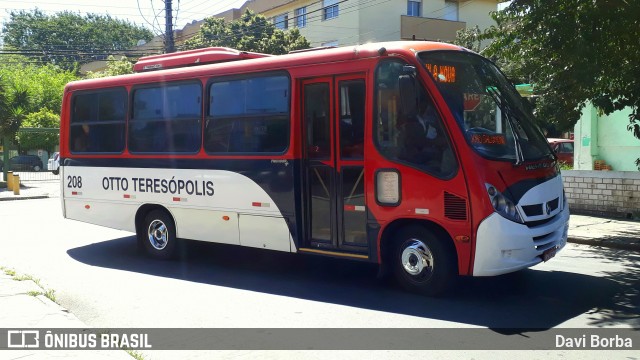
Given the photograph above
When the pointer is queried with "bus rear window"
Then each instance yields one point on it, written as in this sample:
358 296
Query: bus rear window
249 115
97 121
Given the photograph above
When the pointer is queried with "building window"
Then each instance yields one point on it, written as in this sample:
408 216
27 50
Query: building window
281 21
329 43
301 16
413 8
450 11
330 9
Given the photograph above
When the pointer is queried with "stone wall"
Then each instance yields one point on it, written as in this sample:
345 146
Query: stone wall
603 193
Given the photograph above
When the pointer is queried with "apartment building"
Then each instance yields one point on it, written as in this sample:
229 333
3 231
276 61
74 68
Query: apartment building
348 22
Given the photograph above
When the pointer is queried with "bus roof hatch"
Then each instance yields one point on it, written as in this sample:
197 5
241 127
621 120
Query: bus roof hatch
209 55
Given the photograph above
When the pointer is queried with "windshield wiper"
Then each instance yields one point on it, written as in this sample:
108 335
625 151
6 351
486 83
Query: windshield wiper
504 106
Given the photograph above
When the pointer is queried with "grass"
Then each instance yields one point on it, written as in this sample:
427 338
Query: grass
135 354
48 293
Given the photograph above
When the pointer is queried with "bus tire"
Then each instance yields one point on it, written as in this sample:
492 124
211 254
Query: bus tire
158 235
423 263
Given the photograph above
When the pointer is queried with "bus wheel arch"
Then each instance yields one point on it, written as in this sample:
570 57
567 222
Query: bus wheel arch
421 256
156 232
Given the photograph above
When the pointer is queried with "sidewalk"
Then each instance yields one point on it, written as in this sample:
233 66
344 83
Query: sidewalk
29 308
37 189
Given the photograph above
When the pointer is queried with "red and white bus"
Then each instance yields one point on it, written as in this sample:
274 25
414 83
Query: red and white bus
417 156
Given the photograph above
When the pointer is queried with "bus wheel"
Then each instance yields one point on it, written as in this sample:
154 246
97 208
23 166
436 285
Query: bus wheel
159 235
423 263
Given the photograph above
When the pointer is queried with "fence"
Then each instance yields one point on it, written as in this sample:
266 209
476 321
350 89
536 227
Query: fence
29 156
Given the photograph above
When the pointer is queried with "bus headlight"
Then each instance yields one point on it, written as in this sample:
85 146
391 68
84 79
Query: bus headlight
503 205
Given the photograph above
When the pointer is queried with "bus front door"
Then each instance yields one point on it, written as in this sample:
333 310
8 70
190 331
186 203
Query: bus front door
333 113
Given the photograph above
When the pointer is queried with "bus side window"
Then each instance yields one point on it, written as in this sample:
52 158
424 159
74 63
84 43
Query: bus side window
248 115
418 140
97 121
352 119
166 118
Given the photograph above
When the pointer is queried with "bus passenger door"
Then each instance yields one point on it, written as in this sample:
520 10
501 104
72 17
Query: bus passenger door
333 112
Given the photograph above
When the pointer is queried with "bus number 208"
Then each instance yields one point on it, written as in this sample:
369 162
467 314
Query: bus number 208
74 181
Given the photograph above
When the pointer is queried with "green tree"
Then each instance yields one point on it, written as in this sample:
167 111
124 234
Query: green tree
67 38
43 84
575 52
13 101
249 33
114 67
469 38
44 118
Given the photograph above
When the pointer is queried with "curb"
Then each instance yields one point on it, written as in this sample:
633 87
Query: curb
32 197
607 243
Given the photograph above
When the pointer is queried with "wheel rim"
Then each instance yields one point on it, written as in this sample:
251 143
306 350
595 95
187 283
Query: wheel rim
36 168
417 260
158 234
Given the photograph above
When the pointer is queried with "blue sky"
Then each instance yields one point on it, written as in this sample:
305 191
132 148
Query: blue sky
152 10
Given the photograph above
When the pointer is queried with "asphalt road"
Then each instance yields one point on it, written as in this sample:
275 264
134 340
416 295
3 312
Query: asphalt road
99 276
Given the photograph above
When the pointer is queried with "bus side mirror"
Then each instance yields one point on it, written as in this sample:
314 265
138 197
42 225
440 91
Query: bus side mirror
407 87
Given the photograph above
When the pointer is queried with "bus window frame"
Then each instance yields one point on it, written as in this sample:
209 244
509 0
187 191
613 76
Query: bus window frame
232 77
71 123
443 123
159 84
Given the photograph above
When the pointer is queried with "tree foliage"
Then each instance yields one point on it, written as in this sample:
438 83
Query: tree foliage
575 52
469 38
249 33
13 101
43 85
44 118
67 38
114 67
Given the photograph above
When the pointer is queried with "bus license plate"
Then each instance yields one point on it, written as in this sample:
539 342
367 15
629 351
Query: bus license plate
548 254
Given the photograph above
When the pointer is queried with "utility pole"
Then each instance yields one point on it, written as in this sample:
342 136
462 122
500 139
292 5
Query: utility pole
168 37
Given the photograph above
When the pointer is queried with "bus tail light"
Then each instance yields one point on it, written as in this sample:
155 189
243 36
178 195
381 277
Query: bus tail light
503 205
388 187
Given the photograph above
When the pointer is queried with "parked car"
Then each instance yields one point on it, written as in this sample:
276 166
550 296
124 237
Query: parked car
53 164
563 149
25 163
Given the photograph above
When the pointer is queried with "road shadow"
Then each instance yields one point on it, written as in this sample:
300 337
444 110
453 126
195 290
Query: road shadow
527 300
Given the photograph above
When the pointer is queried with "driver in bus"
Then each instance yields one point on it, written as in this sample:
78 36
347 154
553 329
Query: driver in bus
423 140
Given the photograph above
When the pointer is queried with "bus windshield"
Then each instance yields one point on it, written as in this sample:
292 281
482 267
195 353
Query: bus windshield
488 109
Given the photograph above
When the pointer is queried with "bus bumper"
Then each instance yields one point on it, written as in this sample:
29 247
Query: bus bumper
503 246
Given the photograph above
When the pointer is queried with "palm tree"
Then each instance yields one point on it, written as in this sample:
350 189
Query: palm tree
13 101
